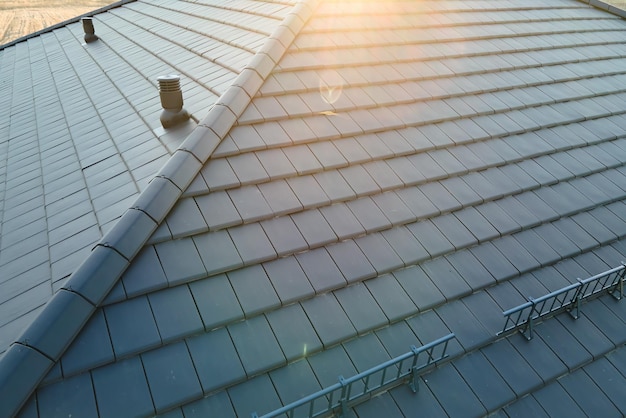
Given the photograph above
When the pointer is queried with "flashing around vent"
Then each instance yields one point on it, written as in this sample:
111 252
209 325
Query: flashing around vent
90 32
172 101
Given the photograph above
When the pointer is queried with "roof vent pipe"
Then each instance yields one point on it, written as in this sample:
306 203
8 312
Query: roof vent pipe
172 101
90 32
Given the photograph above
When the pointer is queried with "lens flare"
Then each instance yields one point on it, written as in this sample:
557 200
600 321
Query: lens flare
331 86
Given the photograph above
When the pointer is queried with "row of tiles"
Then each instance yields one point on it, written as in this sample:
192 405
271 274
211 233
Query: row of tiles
266 342
258 288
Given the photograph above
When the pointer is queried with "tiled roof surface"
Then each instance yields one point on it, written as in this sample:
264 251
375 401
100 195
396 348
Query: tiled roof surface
405 170
80 135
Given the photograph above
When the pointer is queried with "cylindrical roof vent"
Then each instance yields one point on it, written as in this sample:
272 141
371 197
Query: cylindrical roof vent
172 101
90 32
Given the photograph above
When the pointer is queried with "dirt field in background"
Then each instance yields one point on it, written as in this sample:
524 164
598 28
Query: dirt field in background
617 3
22 17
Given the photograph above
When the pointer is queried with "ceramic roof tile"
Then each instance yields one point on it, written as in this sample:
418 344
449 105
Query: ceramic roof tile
92 347
250 203
173 321
319 310
252 243
280 197
294 332
131 337
109 384
253 290
257 346
216 311
179 269
308 191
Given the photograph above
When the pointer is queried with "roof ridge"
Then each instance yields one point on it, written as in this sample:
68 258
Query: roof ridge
27 361
606 7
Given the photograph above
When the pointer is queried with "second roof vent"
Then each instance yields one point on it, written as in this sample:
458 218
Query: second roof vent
90 32
172 101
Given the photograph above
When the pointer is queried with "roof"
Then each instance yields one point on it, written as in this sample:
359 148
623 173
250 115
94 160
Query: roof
81 136
366 176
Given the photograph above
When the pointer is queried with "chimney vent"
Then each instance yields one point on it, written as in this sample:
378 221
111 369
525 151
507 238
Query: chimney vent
172 101
90 33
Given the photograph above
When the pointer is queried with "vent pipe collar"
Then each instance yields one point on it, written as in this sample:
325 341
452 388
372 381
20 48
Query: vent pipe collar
172 101
90 32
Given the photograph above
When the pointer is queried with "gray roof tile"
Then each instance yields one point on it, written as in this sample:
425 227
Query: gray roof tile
284 236
248 168
331 323
218 210
71 396
256 344
180 260
587 395
419 287
253 290
359 180
288 279
351 261
295 381
483 378
369 214
275 163
608 379
405 245
423 399
252 243
430 237
186 219
145 274
218 174
294 332
175 313
308 191
394 208
391 298
173 381
218 405
302 159
291 131
132 336
555 401
314 228
256 394
494 261
280 197
561 341
449 382
216 301
122 388
330 364
218 370
361 308
92 347
379 253
342 221
250 203
334 185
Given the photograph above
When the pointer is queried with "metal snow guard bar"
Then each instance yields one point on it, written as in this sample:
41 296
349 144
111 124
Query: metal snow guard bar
523 317
346 398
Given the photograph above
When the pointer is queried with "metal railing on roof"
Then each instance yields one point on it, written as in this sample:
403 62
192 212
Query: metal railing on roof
569 298
336 399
